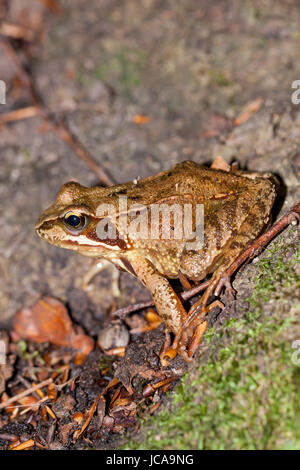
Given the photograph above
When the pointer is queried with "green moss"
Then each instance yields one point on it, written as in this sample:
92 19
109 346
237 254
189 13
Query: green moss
219 78
22 347
246 391
106 362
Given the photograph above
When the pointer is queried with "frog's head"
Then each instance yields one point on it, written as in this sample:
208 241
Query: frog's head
72 222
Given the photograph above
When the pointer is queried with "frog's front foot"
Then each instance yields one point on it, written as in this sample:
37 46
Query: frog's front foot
293 218
225 282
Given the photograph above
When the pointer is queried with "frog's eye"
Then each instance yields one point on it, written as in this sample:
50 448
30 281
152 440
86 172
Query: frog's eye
75 222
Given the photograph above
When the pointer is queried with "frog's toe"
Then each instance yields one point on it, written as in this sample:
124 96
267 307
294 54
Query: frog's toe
196 339
293 218
184 353
165 356
224 281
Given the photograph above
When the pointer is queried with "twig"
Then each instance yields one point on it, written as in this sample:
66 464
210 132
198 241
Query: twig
53 6
25 393
91 412
24 445
27 384
65 135
29 407
11 54
16 31
22 113
8 437
58 128
123 312
61 386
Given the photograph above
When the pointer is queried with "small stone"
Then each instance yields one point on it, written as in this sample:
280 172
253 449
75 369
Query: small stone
114 335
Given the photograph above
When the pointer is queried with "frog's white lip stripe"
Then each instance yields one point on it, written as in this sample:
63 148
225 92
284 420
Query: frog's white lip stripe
96 244
82 241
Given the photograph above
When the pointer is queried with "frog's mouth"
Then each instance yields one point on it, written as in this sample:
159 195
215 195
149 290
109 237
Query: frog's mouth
85 243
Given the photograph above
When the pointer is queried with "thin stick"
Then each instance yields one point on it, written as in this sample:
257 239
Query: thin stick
90 415
24 445
25 393
63 132
29 407
123 312
22 113
16 31
11 54
61 386
53 6
59 128
195 290
8 437
28 385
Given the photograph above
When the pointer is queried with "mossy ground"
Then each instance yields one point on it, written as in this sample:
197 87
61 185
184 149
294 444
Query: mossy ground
245 392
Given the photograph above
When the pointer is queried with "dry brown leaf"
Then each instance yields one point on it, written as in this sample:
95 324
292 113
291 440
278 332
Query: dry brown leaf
48 320
220 164
101 410
249 110
123 410
52 392
141 119
115 352
83 344
28 401
91 412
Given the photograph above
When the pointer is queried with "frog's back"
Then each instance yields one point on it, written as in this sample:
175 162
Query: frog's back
203 183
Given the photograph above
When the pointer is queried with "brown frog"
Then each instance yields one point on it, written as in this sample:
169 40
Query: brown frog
119 224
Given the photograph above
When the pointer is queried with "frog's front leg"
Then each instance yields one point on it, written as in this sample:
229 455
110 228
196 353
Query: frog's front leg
168 304
97 267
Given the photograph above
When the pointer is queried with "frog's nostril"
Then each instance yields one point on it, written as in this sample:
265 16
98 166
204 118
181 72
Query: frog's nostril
41 226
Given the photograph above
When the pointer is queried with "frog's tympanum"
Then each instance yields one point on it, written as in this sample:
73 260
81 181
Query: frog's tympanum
119 224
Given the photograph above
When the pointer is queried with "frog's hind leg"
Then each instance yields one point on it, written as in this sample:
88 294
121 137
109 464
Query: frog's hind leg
249 230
